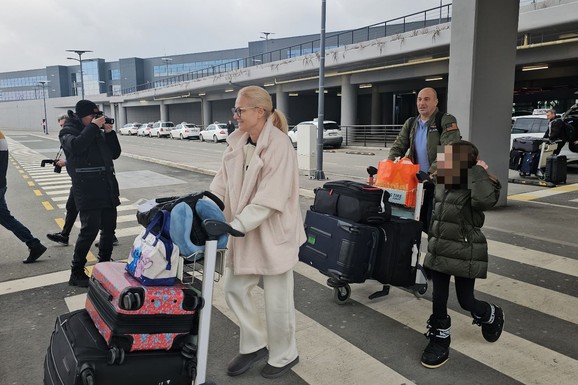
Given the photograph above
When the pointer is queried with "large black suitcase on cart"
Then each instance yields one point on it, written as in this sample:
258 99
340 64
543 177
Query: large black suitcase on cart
527 144
339 248
78 355
556 169
398 252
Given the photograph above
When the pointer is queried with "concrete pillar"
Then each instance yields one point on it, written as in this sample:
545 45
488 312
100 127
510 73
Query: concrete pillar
206 112
164 109
375 106
121 115
481 78
282 100
348 107
387 103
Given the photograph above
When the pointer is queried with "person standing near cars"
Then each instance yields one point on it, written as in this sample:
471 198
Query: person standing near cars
230 127
90 145
259 183
419 139
555 131
35 248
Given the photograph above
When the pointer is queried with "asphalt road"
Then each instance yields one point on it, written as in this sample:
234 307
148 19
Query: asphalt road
533 276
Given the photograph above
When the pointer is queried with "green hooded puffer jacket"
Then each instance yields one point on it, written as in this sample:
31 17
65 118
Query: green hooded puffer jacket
456 244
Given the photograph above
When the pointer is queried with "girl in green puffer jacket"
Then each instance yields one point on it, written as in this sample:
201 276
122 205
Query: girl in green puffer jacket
456 246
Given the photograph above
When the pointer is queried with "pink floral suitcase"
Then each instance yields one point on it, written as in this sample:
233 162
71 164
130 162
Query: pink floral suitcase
133 317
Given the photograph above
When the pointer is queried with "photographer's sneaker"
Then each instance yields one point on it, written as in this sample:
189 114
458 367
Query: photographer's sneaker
35 253
58 238
114 242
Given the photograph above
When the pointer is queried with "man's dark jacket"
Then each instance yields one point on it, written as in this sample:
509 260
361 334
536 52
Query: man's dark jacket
89 155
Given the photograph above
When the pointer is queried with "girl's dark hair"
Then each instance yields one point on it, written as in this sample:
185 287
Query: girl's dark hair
465 147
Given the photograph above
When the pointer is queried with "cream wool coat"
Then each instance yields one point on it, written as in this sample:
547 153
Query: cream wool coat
271 180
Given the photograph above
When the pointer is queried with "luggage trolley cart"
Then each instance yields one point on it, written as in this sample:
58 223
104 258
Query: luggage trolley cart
213 261
348 252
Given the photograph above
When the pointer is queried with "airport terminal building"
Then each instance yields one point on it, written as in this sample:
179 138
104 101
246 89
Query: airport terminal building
371 74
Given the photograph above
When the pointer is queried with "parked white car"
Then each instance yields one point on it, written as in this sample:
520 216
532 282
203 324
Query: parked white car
129 129
145 129
332 136
186 130
215 132
535 126
161 129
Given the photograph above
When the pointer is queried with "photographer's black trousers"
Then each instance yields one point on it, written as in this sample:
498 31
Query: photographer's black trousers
90 222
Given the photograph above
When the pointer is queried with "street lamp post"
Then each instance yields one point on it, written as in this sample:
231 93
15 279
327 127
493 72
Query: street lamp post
167 60
43 83
266 37
79 60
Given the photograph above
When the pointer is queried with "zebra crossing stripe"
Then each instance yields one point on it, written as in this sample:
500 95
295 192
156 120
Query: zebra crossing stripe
326 358
513 356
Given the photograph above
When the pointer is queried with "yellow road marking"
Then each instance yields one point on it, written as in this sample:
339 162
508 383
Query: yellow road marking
90 257
47 205
38 193
59 222
544 192
25 177
31 184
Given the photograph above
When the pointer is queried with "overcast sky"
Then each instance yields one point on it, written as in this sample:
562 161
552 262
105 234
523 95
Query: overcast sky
35 33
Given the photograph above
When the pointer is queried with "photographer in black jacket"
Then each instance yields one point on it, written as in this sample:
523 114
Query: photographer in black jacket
91 145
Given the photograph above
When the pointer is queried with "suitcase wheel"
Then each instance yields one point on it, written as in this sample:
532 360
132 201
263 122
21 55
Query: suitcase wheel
115 356
419 290
131 300
341 294
87 376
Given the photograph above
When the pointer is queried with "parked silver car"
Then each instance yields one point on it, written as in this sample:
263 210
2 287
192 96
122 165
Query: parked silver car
161 129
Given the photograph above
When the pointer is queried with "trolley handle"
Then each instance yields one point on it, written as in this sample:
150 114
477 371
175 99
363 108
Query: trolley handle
215 228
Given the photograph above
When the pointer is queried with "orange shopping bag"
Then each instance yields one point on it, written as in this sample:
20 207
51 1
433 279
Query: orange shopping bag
399 179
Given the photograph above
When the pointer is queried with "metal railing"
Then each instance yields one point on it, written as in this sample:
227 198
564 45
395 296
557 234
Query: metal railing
414 21
370 135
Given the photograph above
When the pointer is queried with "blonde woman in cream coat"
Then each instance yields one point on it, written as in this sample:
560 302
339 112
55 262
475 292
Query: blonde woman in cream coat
259 183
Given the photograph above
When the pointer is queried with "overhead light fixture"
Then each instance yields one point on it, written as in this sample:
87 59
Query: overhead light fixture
568 36
433 79
172 97
269 84
366 85
420 59
535 67
339 94
202 94
293 94
229 90
317 91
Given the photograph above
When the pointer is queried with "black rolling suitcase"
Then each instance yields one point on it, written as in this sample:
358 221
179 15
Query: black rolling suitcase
397 255
78 355
556 169
339 248
527 144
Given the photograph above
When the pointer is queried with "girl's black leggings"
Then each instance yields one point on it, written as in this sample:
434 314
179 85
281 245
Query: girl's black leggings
465 293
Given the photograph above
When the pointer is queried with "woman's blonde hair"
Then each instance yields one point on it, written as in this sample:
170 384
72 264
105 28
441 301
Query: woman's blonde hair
259 97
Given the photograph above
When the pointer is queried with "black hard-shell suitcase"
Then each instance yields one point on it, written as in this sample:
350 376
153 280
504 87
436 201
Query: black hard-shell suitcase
527 144
556 169
398 251
78 355
339 248
355 201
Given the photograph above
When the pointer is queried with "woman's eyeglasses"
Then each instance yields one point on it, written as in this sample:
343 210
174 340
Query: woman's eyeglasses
239 110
